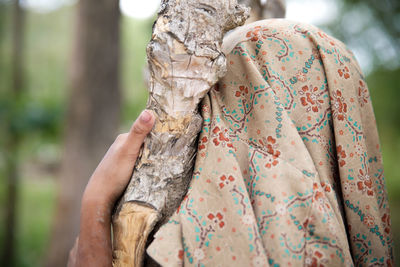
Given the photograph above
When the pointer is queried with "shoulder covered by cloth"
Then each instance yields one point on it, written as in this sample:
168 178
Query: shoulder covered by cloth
288 168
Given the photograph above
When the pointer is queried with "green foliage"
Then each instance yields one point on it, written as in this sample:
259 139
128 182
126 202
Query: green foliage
36 211
383 85
27 118
386 12
39 109
384 92
38 115
371 28
34 219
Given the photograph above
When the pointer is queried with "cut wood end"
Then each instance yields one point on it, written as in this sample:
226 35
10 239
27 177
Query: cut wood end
131 228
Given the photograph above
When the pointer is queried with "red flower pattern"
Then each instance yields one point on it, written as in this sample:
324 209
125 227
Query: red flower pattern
316 259
341 155
202 143
345 73
310 98
217 218
365 183
221 138
254 34
363 94
326 187
242 91
369 221
270 144
386 220
338 105
225 181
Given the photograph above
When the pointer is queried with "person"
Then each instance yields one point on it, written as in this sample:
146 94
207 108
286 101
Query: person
288 170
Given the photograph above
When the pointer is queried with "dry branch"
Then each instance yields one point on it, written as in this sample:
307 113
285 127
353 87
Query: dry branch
184 61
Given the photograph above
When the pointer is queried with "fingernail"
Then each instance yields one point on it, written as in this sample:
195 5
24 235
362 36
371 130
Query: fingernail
145 116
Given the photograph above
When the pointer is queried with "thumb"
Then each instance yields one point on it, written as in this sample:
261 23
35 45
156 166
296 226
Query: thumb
139 130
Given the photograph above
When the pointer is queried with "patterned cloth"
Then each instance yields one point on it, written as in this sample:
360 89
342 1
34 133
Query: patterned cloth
289 170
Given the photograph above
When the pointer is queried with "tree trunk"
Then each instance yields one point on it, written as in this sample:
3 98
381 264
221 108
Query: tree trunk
92 117
265 9
13 139
185 61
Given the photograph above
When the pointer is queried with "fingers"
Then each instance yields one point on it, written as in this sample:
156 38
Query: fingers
139 130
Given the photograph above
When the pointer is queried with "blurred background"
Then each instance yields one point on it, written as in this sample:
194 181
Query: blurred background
71 78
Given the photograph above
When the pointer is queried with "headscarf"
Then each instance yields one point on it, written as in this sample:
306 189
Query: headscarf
288 170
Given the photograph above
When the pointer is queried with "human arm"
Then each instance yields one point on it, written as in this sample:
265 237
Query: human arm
108 181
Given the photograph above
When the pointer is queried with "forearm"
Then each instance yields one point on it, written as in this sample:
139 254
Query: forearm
104 188
94 247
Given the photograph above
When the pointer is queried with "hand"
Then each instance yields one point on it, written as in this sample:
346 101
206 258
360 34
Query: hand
104 188
113 173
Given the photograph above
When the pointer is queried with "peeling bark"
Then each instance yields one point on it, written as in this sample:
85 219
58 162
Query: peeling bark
185 61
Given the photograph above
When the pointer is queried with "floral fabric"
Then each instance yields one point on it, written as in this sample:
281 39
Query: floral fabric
289 170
